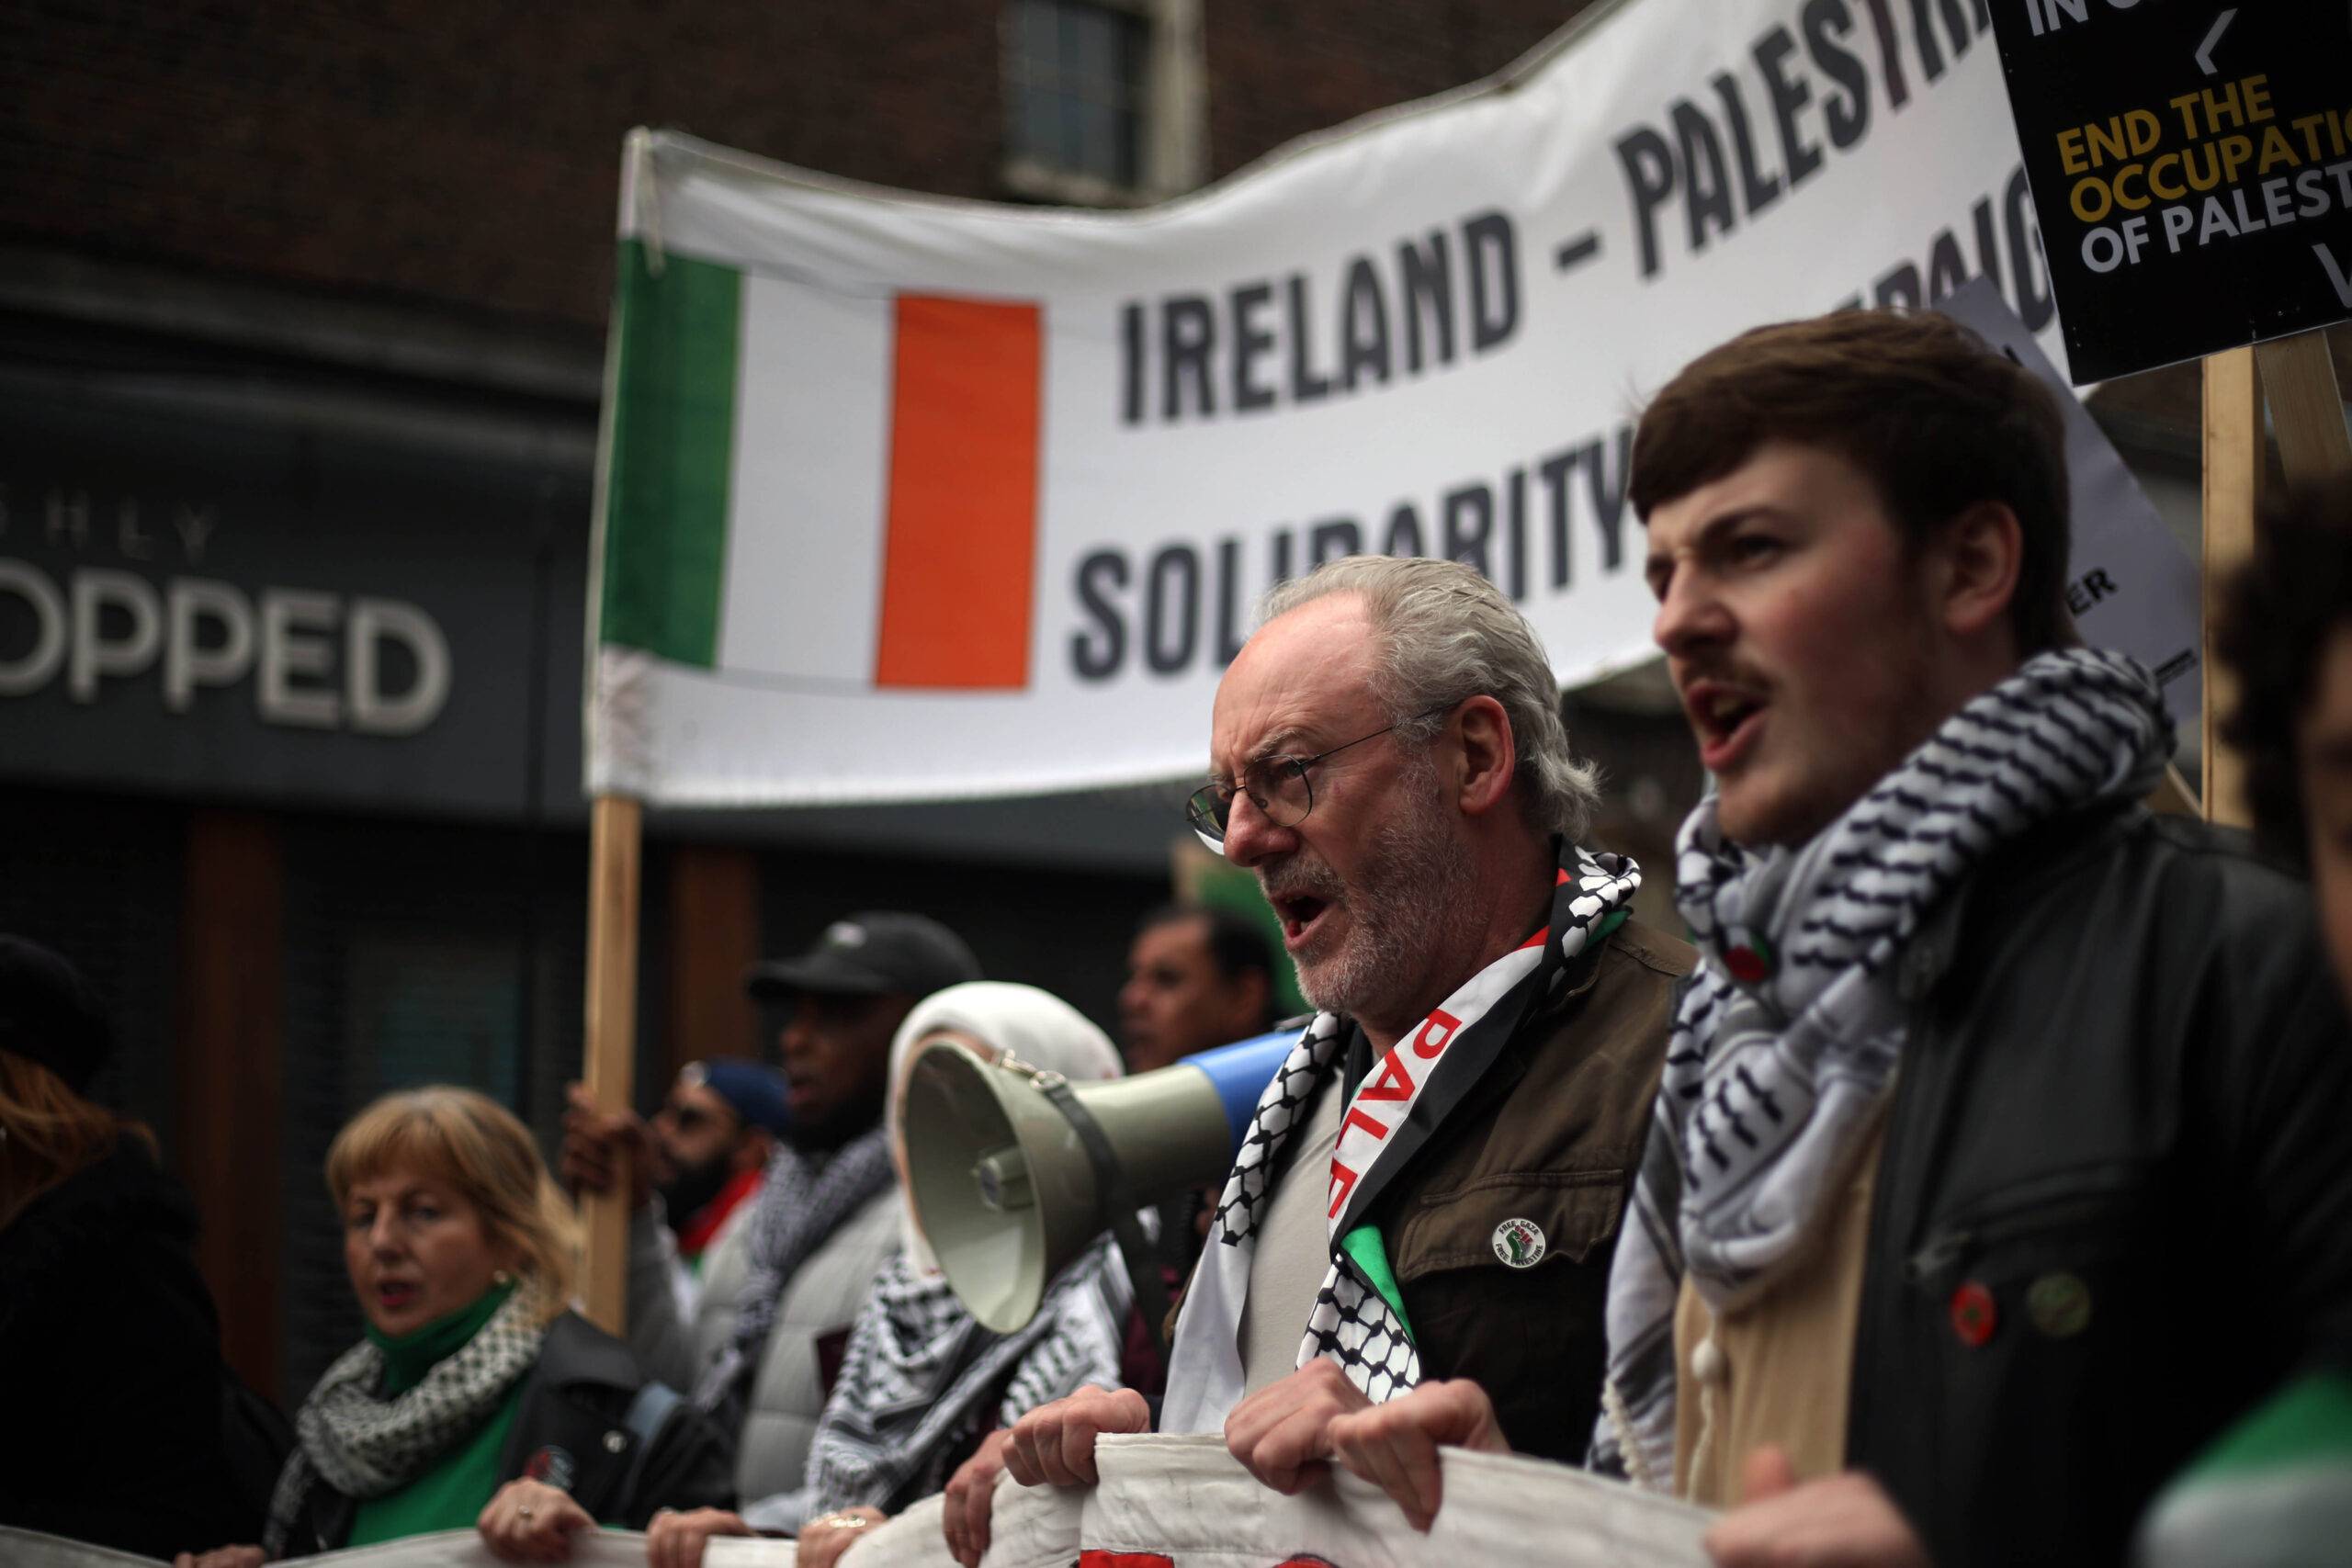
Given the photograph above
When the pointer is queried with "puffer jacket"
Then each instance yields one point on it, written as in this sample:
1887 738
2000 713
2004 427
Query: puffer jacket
787 1392
2115 1207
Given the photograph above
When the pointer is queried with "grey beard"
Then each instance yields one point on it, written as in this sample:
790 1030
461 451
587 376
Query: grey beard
1416 888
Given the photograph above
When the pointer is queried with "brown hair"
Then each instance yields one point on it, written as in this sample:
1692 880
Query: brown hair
48 1133
477 1146
1934 417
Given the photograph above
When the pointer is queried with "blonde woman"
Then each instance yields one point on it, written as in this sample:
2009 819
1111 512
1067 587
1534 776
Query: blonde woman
477 1397
109 1344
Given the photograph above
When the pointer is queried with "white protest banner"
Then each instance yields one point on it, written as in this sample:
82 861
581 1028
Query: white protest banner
448 1548
754 1551
1163 1502
907 498
1185 1502
31 1549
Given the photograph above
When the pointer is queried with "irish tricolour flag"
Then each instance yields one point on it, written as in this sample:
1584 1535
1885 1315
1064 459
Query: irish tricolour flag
809 488
822 513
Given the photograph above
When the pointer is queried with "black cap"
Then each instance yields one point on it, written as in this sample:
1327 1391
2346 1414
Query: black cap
49 1014
881 953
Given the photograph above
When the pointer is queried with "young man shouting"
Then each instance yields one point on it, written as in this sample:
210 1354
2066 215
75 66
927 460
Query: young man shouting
1998 1160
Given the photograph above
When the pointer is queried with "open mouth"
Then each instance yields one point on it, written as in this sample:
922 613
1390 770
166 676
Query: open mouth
395 1294
1725 721
1300 913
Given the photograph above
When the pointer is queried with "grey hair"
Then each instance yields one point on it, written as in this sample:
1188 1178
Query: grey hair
1447 633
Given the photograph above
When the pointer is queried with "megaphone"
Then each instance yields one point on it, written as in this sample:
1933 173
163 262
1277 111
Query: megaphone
1013 1171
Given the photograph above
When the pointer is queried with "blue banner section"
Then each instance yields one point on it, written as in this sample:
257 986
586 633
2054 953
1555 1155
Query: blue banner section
1241 1072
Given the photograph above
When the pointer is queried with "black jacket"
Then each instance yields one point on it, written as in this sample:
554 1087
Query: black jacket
111 1358
573 1430
2124 1117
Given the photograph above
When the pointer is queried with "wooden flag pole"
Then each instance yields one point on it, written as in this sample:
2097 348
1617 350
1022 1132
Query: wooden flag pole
2234 461
2297 381
2171 795
616 837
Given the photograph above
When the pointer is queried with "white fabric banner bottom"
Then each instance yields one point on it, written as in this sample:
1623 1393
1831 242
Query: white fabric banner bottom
1165 1503
445 1550
1184 1503
450 1549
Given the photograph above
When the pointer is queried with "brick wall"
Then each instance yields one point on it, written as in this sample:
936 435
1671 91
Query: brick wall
467 152
1280 69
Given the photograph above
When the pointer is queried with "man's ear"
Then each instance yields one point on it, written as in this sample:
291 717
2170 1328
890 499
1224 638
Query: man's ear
1490 756
1978 559
753 1150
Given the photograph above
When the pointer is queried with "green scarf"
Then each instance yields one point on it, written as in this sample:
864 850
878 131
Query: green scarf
451 1493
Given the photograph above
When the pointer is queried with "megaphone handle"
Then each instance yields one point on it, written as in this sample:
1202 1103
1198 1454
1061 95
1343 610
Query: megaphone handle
1141 1257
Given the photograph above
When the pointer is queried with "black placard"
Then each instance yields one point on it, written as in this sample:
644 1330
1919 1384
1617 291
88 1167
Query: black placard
2191 167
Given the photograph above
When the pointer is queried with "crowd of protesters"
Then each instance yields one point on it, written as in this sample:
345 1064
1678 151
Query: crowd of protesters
1967 1182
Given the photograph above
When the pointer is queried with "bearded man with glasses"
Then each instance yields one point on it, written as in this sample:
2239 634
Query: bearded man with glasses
1432 1184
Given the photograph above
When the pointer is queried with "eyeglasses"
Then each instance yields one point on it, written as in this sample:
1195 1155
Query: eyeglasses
1278 786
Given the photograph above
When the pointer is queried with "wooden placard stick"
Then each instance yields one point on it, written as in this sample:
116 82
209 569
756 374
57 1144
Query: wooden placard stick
2306 409
2233 462
2297 380
2171 795
616 839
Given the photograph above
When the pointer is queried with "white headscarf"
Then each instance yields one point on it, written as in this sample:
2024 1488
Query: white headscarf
921 1376
1021 1021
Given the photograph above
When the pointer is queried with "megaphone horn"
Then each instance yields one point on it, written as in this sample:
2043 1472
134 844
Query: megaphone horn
1015 1171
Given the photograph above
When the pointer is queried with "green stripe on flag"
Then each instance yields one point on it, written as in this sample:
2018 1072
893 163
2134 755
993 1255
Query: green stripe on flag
672 446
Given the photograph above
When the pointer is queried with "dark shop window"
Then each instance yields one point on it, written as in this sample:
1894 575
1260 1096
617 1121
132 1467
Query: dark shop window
1074 84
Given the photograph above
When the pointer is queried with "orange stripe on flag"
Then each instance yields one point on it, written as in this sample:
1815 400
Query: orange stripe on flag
961 544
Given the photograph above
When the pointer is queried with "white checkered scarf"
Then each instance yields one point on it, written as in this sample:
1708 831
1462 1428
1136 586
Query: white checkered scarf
803 1199
1771 1089
365 1446
1350 1323
921 1377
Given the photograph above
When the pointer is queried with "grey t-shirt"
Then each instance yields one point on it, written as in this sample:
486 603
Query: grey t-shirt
1294 1252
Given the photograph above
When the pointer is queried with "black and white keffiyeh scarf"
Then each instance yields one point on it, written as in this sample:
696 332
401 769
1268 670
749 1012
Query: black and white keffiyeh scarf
921 1377
1400 1103
365 1446
803 1199
1787 1037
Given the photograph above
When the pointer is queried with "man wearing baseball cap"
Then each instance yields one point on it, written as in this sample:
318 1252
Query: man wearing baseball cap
781 1284
841 1001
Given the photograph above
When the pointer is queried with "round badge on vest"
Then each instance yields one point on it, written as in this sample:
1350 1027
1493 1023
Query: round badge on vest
1974 1315
551 1466
1520 1243
2059 1304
